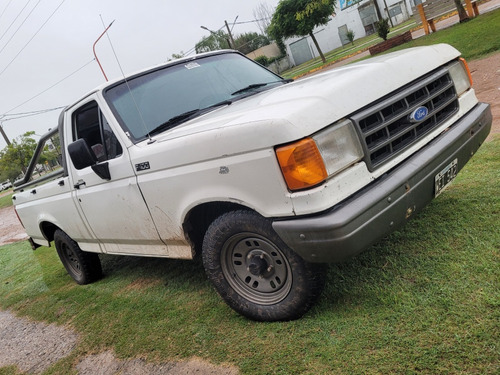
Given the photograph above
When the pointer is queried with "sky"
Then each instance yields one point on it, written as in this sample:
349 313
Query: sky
46 56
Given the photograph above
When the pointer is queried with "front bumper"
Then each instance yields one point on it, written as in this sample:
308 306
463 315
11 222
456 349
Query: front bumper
385 205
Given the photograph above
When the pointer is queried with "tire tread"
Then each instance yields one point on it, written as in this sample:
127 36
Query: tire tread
89 262
308 278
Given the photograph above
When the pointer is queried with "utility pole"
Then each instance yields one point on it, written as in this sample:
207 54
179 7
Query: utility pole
4 135
377 9
230 36
388 14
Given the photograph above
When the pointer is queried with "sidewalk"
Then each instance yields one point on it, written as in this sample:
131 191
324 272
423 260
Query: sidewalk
450 21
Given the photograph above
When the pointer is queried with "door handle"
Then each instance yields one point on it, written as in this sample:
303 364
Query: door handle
78 184
61 183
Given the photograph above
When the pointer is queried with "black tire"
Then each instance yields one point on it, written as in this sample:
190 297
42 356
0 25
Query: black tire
83 267
255 272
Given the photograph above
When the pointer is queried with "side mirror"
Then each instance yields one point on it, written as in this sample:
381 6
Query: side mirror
81 155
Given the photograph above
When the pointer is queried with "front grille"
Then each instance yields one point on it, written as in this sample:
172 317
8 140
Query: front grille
385 127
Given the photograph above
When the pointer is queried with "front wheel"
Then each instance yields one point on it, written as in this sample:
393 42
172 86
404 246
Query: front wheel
83 267
255 272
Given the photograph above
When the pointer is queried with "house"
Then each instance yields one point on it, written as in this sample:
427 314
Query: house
356 15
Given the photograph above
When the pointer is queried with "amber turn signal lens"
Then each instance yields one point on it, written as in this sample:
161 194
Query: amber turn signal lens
301 164
466 66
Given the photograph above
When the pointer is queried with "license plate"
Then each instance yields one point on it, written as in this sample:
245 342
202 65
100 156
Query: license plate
444 178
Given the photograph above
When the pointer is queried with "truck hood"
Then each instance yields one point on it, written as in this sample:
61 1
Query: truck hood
301 108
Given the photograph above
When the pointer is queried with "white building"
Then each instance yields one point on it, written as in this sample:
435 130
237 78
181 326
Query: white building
358 16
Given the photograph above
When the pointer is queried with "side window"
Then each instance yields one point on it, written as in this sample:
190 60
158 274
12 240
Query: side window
90 124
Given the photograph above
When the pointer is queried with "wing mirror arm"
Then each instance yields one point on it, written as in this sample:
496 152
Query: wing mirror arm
102 170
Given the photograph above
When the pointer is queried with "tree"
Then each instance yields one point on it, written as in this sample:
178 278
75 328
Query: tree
383 29
176 56
217 40
300 17
15 158
248 42
263 13
462 14
49 157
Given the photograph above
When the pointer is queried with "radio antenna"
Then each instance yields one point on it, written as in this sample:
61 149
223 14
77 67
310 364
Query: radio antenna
151 140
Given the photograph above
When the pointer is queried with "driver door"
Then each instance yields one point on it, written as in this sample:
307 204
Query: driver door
114 209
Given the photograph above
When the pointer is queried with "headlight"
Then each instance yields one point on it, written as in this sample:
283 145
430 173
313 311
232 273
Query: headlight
461 76
339 146
311 161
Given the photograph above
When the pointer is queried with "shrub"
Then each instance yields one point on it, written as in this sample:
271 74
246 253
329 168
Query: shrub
382 28
350 35
262 60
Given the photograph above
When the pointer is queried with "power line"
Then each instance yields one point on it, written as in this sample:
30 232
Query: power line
44 91
22 23
29 41
15 116
252 21
5 9
15 19
190 51
30 112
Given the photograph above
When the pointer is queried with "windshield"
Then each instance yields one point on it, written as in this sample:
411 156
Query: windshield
161 99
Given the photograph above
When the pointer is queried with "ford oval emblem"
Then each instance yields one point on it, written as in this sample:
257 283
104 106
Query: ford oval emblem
419 114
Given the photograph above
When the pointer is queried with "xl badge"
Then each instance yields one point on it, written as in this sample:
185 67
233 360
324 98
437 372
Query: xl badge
419 114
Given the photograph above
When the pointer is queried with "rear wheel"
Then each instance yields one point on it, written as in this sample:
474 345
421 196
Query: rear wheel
255 272
83 267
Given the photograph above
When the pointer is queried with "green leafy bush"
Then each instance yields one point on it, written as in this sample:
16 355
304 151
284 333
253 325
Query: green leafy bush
350 35
382 28
262 60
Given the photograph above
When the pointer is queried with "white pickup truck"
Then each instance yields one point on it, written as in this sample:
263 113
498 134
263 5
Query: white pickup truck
265 179
5 185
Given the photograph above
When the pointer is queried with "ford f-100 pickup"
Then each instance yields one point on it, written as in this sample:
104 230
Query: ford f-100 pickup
266 179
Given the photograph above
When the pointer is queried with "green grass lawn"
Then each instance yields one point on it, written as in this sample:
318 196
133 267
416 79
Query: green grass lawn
6 200
424 300
337 54
476 38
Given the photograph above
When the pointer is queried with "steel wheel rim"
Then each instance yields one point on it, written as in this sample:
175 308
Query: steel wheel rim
256 268
71 260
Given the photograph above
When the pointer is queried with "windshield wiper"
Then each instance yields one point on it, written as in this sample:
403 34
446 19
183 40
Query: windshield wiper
224 102
176 120
257 85
249 87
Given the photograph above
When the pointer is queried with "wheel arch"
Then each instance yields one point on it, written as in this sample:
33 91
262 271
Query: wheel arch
199 218
48 229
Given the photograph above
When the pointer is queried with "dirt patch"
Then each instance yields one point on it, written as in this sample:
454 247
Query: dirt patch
35 346
486 76
32 346
11 229
106 364
141 284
